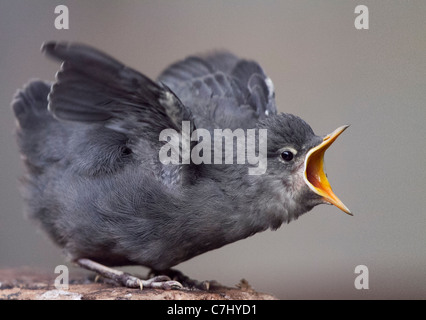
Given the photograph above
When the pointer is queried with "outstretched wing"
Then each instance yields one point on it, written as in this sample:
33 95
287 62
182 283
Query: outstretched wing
221 90
94 87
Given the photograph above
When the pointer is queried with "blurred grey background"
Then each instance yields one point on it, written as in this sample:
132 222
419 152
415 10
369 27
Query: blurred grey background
325 71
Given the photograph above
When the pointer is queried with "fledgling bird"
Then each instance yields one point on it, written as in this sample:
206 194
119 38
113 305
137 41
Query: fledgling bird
94 180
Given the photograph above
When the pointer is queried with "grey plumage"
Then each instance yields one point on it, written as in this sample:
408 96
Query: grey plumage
95 183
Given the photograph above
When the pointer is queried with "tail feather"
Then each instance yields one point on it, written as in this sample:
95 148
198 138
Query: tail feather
33 124
30 104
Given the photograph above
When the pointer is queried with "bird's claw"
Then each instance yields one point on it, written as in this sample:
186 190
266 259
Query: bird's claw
158 282
127 280
188 283
162 282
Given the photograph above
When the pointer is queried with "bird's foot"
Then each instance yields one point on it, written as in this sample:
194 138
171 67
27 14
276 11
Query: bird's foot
128 280
188 282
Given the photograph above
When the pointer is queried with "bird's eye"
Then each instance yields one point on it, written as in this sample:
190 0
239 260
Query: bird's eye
287 155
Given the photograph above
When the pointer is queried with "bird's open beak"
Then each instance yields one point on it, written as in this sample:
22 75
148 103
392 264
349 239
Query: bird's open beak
314 174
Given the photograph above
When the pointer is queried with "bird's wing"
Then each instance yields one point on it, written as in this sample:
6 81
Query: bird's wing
94 87
235 92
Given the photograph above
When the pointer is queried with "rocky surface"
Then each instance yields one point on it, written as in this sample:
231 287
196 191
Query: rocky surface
27 284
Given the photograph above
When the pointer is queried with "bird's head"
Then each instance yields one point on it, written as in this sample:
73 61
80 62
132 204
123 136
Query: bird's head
296 161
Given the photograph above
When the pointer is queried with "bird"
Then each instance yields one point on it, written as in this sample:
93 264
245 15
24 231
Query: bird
94 181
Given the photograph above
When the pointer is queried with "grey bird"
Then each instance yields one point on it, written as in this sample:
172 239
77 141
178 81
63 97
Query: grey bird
95 182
